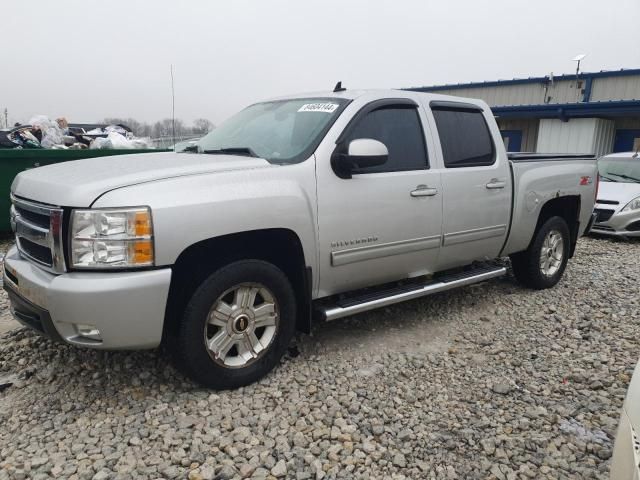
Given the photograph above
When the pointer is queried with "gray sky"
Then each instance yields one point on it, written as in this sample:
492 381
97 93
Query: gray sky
87 60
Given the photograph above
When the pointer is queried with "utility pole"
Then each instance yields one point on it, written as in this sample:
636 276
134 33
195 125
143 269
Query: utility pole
6 118
173 109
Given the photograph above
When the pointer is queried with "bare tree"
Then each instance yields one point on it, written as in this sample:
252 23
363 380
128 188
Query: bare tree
202 126
164 128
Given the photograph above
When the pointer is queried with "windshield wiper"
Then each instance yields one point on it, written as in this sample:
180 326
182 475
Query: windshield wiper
244 151
626 177
608 179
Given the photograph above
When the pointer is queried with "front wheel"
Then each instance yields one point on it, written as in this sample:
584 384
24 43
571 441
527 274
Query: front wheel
543 263
237 325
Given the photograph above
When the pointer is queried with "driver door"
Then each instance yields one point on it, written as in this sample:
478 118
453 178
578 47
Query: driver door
385 222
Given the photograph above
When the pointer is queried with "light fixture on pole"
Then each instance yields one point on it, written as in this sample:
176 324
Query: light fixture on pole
578 59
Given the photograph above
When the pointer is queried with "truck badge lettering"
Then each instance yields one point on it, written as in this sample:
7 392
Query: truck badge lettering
354 242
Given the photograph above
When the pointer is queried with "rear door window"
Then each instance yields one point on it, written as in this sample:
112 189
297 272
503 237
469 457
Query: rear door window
465 137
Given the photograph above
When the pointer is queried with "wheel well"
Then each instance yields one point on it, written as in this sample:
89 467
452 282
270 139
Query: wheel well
567 207
281 247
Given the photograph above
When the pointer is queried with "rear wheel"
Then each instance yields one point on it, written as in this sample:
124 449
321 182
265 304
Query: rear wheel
543 263
237 325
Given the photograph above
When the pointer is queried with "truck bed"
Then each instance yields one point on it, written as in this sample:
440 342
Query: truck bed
538 178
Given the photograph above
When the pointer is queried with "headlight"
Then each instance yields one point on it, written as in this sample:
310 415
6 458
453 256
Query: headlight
117 238
632 205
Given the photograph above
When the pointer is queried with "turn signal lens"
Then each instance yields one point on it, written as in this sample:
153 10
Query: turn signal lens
142 223
141 252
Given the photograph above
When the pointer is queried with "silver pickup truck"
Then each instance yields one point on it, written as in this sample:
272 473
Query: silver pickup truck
309 206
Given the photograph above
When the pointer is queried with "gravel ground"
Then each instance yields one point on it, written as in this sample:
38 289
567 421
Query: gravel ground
491 381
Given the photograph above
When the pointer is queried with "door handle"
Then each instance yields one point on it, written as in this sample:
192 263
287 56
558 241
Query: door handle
424 191
495 183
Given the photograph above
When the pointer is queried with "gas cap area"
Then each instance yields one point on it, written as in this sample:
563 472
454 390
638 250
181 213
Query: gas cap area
532 201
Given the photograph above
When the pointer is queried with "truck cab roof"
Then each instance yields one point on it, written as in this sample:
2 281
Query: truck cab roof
379 94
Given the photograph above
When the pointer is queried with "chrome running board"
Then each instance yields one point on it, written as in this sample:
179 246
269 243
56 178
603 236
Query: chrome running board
370 301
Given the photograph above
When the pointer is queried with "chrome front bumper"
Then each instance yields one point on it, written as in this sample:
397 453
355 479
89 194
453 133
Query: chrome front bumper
127 308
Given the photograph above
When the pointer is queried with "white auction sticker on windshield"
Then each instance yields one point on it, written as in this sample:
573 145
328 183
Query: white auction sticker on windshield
319 107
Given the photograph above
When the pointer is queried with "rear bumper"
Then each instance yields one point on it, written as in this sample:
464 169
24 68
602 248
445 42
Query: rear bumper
127 308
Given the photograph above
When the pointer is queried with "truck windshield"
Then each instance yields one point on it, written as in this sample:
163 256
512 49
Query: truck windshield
621 170
285 131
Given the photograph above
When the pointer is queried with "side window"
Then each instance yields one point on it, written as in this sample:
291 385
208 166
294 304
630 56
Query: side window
465 138
399 128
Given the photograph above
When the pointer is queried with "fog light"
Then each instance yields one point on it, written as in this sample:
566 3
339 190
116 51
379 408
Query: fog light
89 331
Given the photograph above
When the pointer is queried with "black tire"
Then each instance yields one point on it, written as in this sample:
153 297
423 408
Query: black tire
526 265
192 355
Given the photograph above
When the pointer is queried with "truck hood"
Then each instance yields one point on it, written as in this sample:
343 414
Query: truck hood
78 183
618 192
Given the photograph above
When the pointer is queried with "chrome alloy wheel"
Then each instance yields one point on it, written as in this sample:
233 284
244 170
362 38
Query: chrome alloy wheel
241 325
551 253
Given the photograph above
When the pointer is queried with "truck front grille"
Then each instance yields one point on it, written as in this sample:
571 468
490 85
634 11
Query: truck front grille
38 229
38 252
39 219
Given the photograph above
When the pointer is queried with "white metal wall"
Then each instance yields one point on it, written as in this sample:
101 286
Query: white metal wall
560 91
566 91
579 135
616 88
523 94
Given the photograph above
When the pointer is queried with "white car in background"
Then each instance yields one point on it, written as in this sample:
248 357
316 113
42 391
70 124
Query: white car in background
625 464
618 202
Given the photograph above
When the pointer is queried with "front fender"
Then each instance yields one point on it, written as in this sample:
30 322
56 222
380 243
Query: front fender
187 210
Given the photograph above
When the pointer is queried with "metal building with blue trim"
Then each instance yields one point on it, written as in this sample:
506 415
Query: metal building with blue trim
596 112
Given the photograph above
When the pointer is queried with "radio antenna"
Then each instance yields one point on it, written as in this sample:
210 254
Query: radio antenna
173 109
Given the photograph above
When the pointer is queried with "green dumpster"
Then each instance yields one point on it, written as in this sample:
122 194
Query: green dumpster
14 161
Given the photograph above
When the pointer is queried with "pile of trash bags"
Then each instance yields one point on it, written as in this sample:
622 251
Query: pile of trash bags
42 132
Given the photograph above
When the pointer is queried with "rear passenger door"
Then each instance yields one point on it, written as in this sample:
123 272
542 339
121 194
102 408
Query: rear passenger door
476 181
